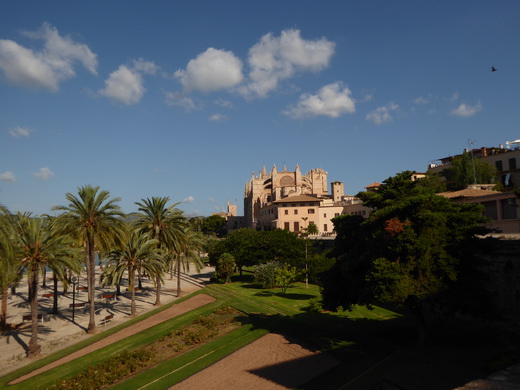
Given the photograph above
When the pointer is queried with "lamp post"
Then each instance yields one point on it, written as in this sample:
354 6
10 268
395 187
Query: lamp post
73 280
306 234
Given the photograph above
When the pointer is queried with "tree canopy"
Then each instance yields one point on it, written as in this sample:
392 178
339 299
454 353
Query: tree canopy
407 251
250 247
465 170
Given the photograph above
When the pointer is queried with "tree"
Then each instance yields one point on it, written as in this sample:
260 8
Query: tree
8 263
285 276
265 274
164 223
38 246
97 222
214 225
465 170
225 267
137 253
186 253
251 247
405 253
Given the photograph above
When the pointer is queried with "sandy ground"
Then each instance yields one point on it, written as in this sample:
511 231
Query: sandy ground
272 362
58 331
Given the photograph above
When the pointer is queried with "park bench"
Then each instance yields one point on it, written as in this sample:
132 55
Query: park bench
107 319
109 296
48 295
82 288
28 317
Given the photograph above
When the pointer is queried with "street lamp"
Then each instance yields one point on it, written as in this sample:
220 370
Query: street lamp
306 235
73 280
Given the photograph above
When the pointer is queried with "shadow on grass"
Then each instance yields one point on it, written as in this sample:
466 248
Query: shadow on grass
292 296
373 353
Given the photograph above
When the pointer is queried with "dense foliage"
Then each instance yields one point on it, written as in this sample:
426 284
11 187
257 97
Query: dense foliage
250 247
407 251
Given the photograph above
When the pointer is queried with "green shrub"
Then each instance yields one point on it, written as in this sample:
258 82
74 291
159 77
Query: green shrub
265 274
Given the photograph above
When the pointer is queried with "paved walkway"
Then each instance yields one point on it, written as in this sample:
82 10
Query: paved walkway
175 310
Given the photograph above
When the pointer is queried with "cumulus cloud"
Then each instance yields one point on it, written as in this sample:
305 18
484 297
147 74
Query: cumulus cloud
180 100
7 176
124 85
382 114
211 71
47 67
217 117
146 67
277 58
466 111
189 199
43 174
421 100
19 132
223 103
331 100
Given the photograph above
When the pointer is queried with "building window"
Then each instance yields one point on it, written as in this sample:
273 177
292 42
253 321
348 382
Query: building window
325 228
310 211
336 214
512 164
509 208
499 165
296 226
325 215
295 211
286 225
286 212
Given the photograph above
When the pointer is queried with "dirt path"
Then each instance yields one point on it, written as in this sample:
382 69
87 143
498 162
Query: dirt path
175 310
272 362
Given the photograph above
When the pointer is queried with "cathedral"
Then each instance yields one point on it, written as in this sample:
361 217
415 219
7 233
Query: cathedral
268 188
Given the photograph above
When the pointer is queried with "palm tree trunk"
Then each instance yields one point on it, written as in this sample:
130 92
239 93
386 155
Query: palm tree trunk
157 290
55 297
91 283
132 290
179 276
34 347
3 319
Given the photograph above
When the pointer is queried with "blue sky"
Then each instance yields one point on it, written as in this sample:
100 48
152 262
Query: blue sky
187 98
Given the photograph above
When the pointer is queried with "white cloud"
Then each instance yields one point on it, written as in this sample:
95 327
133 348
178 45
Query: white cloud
48 67
212 70
180 100
223 103
217 117
18 132
124 85
146 67
331 100
43 174
420 100
189 199
7 176
277 58
466 111
382 114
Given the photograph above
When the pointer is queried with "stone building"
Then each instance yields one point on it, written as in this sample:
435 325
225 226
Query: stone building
292 201
266 188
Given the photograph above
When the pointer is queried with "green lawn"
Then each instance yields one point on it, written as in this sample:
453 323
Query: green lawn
368 343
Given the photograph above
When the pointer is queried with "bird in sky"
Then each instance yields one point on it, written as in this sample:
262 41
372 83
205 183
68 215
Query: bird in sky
493 69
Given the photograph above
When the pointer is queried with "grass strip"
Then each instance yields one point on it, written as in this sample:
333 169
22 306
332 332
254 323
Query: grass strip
173 371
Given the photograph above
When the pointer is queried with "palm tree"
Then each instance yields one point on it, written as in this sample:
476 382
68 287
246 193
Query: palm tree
164 223
138 253
97 221
8 264
38 246
188 253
